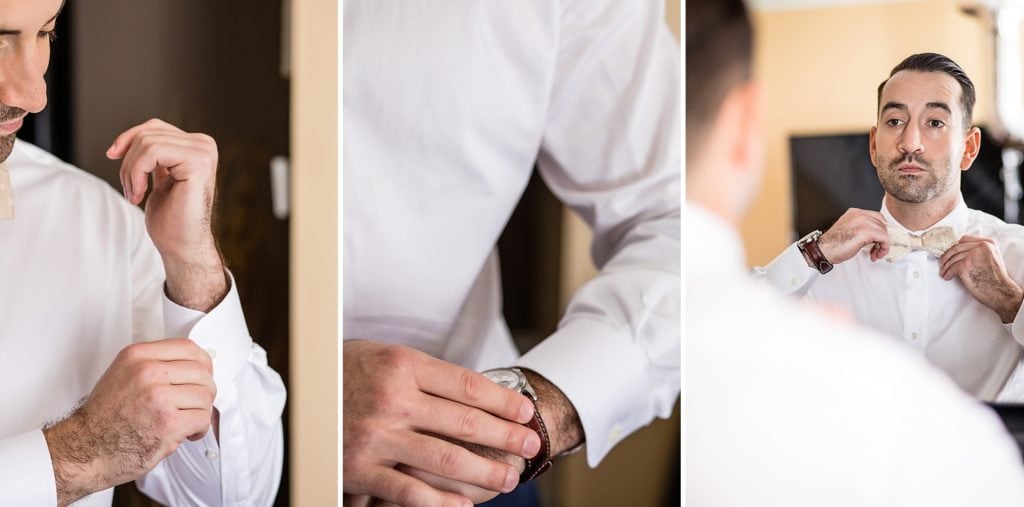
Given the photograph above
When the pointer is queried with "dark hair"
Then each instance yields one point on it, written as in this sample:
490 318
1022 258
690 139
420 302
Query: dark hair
934 62
719 45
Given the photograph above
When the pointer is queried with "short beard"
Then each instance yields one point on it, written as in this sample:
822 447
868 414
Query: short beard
917 188
8 114
7 146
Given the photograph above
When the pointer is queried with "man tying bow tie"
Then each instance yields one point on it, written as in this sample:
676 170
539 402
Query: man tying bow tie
946 289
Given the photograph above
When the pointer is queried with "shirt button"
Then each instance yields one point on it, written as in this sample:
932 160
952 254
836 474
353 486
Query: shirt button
212 351
794 281
615 434
913 336
917 274
212 454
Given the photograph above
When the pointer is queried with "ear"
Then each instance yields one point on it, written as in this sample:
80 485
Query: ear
872 149
745 141
972 146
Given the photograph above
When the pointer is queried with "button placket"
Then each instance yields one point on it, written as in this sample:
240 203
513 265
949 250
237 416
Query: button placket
916 305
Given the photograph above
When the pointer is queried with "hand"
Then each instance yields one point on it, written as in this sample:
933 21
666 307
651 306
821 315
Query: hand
395 399
151 398
180 208
564 431
979 265
854 230
475 494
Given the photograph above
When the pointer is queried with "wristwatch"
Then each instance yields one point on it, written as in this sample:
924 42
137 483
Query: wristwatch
808 246
515 379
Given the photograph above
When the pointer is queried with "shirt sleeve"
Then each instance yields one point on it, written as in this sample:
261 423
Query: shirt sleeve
788 274
611 152
244 467
26 472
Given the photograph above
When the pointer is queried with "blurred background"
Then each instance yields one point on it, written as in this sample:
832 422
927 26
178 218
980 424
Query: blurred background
820 63
261 78
545 257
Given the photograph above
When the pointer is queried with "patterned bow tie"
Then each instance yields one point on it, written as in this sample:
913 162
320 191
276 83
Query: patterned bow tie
6 194
934 241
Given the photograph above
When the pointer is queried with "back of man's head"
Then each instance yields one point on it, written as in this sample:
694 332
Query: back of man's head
719 47
934 62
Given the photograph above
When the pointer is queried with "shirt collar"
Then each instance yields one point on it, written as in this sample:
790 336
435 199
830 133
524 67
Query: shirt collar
957 219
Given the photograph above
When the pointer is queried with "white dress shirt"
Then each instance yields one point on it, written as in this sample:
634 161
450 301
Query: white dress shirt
448 104
82 280
786 407
908 299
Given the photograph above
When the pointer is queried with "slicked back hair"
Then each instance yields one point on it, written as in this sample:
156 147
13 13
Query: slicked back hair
934 62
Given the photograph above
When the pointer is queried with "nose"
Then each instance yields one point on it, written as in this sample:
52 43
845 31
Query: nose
910 139
21 78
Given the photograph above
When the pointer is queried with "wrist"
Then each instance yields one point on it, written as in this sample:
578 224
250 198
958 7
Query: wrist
74 466
814 253
198 282
1009 311
565 430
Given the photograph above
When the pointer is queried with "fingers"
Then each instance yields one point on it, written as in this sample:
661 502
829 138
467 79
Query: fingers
182 156
468 424
854 230
124 139
358 500
171 349
175 373
954 268
177 412
195 423
471 388
451 461
477 495
951 259
393 486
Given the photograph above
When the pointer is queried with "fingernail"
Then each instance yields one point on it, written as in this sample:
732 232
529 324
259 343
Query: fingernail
511 480
531 445
525 411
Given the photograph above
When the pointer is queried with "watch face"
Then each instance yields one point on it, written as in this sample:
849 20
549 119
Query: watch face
505 377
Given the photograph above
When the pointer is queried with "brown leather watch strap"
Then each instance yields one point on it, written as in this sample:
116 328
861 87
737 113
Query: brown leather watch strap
542 461
817 258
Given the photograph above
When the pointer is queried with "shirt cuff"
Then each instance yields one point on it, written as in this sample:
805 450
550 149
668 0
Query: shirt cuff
1016 328
609 392
789 272
222 333
26 470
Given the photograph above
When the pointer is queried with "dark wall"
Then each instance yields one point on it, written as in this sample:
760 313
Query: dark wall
211 67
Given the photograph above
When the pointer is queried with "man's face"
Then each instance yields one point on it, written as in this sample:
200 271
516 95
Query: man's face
26 30
918 145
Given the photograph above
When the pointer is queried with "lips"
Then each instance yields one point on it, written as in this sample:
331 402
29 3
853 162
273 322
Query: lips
910 169
11 126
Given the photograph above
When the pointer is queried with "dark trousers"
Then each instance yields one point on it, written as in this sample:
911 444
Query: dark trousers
523 496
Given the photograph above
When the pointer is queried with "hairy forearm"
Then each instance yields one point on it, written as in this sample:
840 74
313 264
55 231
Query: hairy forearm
1010 303
563 423
199 284
69 453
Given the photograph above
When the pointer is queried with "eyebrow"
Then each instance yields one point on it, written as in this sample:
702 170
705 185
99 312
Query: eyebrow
893 105
903 107
939 105
4 32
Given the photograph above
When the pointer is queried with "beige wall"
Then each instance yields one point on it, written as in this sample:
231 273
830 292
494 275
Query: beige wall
820 69
313 387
